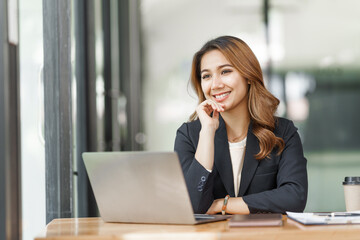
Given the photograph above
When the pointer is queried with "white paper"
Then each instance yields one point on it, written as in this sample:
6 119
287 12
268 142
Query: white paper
313 219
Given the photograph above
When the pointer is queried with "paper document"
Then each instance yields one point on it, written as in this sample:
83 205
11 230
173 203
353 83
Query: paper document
326 218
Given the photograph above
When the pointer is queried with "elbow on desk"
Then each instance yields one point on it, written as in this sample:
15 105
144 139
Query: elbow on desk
296 202
300 205
291 199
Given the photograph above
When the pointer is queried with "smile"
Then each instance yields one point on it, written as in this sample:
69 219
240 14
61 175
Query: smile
221 97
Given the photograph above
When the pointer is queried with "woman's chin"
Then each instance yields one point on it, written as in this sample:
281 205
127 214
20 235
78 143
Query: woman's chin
225 107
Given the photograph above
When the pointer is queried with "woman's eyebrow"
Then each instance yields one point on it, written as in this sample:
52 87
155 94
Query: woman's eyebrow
221 66
225 65
204 70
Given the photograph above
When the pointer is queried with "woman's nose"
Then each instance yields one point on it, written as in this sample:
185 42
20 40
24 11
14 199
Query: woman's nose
217 83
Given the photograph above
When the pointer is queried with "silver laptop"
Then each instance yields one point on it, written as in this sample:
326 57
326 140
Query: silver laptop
141 187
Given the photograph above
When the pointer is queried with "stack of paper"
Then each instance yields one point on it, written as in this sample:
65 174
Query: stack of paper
326 218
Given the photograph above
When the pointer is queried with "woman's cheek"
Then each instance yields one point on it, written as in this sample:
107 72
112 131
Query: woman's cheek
206 89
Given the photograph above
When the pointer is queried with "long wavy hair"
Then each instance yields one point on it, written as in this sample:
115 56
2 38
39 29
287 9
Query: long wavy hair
261 103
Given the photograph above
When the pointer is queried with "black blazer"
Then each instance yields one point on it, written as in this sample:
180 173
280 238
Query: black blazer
277 184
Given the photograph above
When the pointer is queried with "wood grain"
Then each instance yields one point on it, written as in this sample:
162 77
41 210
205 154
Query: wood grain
96 228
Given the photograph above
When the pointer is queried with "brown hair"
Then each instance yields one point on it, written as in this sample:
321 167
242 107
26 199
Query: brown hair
261 103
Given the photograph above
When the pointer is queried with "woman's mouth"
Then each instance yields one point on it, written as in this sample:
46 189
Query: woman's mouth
221 96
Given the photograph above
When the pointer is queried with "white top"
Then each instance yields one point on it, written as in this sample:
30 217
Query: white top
237 154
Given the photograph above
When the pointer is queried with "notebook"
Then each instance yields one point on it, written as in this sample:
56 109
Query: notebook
141 187
256 220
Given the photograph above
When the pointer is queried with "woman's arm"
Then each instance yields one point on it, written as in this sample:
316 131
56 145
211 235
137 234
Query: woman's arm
235 205
196 154
199 181
292 186
209 124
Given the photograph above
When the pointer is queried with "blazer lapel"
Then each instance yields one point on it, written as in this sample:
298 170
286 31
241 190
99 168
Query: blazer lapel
250 163
222 158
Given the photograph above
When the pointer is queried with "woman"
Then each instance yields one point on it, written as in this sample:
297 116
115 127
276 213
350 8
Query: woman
237 157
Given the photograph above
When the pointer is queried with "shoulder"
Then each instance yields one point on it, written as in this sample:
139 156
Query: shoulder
190 129
187 134
284 128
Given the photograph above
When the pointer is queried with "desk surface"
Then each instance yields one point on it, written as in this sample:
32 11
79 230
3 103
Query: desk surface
95 228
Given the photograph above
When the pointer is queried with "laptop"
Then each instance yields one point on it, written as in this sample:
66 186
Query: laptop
141 187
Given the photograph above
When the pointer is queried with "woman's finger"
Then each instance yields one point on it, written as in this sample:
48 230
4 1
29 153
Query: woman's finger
217 107
209 106
215 114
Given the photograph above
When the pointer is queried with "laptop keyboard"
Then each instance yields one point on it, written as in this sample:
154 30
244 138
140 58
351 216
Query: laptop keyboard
203 216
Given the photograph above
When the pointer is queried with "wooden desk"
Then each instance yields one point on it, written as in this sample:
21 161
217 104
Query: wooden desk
95 228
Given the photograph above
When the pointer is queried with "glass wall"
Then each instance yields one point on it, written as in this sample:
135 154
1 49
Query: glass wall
313 53
32 118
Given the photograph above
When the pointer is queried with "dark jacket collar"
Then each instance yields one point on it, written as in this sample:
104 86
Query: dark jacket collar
223 160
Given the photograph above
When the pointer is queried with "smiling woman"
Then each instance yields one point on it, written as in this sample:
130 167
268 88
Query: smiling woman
221 82
233 144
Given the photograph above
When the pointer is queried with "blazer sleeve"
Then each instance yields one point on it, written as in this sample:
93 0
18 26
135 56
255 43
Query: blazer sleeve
292 184
199 181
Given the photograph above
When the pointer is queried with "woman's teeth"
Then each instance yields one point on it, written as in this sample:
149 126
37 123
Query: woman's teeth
222 95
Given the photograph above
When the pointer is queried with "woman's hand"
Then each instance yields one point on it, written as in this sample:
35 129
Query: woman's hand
216 206
235 205
205 148
204 111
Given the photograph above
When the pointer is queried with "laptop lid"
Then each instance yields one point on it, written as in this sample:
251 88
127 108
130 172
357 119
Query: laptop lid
140 187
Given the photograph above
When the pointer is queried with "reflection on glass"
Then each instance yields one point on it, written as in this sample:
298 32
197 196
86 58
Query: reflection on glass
32 113
100 85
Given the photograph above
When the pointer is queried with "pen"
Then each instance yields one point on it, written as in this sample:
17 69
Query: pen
337 214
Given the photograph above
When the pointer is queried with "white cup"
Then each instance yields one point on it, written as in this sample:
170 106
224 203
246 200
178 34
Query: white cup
352 193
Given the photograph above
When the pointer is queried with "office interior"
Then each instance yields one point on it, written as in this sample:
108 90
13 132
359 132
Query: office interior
91 75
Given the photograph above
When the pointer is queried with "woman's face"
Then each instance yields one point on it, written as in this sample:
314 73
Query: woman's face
221 82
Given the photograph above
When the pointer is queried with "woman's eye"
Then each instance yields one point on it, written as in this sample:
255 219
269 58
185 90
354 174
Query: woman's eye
205 76
225 71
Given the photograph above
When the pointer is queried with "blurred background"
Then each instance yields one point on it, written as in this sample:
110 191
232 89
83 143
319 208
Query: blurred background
142 51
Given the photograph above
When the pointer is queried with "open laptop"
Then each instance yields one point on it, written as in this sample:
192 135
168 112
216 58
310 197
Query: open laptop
141 187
